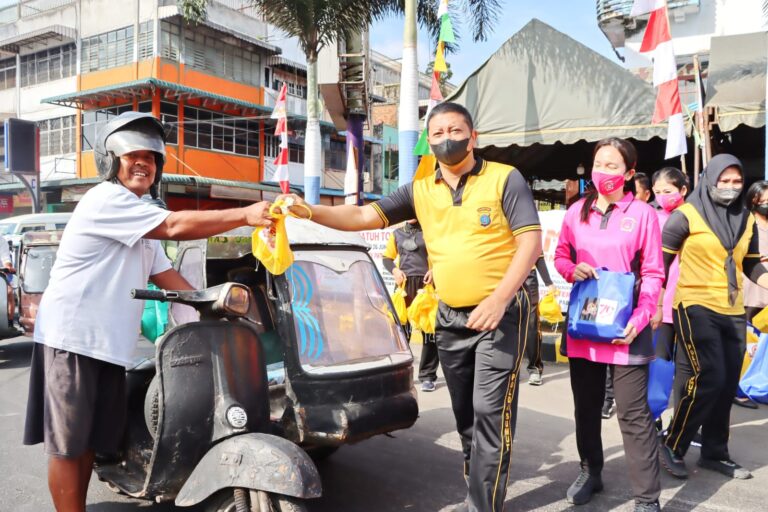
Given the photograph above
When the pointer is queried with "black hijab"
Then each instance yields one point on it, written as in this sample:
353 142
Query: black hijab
727 223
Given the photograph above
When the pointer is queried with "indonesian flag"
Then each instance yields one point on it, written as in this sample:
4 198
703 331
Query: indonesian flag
281 130
657 43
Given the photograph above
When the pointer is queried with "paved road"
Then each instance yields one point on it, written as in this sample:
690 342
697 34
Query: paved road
419 470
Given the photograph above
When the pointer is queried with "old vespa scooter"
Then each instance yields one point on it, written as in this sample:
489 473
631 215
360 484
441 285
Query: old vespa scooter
198 416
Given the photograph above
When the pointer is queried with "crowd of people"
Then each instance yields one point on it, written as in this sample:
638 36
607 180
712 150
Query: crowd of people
486 317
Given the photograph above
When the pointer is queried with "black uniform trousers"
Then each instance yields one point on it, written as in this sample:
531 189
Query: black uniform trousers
429 358
482 372
533 340
708 363
641 447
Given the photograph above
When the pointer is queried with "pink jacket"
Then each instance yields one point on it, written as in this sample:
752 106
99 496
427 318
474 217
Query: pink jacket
674 274
626 239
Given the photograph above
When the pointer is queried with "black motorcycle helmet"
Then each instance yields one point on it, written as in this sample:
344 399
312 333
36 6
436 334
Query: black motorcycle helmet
130 131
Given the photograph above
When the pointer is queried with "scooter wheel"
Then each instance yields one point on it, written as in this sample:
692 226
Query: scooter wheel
225 501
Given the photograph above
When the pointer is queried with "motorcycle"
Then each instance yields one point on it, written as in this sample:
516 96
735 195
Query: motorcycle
198 427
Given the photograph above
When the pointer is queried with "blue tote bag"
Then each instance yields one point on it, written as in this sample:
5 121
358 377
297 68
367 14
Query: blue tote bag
754 383
600 309
661 376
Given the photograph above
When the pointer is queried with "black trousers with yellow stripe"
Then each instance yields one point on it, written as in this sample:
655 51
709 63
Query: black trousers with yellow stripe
707 367
482 372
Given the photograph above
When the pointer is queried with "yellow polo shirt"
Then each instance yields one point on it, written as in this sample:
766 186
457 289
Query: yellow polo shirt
469 232
703 280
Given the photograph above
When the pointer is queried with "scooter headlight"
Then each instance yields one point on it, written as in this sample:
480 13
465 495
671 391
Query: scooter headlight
236 300
237 417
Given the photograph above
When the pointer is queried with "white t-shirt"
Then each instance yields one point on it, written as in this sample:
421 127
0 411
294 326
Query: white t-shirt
87 307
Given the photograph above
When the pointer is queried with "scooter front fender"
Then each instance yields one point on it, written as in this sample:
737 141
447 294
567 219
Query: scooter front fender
252 461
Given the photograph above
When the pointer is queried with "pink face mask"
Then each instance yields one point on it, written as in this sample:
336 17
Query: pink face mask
607 184
670 201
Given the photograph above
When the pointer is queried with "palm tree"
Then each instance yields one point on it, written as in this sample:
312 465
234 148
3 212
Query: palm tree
482 13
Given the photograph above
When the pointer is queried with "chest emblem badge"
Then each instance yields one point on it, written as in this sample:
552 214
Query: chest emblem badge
484 216
627 224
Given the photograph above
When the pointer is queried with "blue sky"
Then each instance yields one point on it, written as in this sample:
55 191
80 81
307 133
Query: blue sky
576 18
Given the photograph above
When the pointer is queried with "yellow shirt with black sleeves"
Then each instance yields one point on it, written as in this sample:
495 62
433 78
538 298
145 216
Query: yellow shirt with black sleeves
470 232
703 280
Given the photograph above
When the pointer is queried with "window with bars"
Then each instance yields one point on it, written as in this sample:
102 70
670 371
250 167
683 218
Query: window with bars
294 89
221 59
336 155
47 65
7 73
146 40
92 120
170 40
205 129
169 115
57 136
107 50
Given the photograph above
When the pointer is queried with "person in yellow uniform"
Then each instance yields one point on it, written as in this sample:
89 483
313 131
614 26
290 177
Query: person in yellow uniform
483 236
406 245
717 240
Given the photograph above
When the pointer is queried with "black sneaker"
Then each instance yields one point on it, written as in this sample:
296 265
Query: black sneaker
727 467
581 491
608 409
647 507
674 464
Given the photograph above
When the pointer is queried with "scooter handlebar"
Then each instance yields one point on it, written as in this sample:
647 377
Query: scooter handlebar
148 294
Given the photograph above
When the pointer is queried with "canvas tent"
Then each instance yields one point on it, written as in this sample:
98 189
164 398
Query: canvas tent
736 85
543 99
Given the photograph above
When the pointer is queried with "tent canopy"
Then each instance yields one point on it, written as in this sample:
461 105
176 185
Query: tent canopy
736 84
544 87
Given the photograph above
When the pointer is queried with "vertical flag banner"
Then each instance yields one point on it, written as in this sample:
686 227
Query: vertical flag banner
281 130
657 44
439 67
351 183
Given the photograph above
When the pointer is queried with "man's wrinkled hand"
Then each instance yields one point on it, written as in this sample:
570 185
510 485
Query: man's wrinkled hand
258 214
630 333
487 315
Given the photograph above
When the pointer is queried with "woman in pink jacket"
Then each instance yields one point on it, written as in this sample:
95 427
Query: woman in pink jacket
609 228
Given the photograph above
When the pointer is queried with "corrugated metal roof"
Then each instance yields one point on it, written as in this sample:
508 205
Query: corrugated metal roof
12 43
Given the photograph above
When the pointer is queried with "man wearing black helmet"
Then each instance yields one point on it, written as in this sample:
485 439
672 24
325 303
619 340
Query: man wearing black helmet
87 325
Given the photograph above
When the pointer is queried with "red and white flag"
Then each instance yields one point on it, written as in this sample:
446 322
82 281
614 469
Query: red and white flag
657 43
281 130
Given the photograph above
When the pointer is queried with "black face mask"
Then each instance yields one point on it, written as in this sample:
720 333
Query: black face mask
451 152
762 209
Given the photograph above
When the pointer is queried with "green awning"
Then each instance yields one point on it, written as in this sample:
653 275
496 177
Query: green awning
118 94
736 84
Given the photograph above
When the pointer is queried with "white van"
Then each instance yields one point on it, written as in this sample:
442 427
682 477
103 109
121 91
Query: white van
16 226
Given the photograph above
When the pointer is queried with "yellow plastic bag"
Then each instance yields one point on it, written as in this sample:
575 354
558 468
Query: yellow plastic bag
549 309
423 310
398 300
270 245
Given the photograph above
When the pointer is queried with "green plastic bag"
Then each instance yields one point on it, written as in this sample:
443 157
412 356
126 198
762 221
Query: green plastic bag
154 320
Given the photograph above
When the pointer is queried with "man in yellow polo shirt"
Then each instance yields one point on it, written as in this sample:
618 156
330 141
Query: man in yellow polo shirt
483 236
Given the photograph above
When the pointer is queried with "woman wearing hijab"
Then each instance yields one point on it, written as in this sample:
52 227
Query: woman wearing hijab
716 239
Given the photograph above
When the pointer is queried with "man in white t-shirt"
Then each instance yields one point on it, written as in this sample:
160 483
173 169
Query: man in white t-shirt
87 325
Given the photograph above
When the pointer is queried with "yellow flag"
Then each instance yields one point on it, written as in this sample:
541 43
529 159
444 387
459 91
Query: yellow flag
440 58
426 166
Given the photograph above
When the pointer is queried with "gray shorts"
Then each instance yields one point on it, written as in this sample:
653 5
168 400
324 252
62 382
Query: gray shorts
76 403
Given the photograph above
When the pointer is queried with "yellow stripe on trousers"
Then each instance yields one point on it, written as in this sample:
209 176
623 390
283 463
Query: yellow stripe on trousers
506 419
693 382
